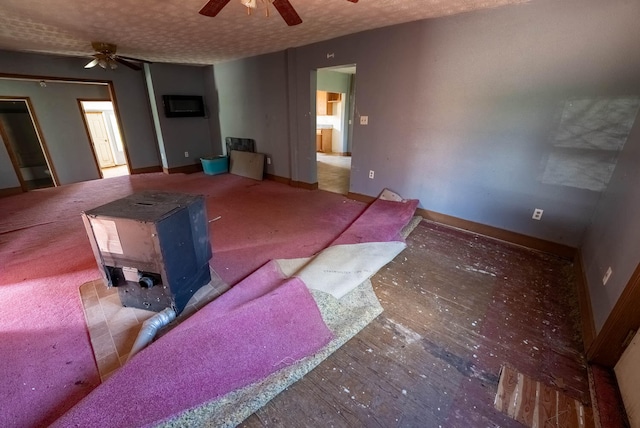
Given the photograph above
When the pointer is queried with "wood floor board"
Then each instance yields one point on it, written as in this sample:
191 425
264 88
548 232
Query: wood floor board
457 308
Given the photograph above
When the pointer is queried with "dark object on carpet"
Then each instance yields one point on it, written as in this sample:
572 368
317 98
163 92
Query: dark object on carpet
608 403
536 405
153 247
245 164
48 366
261 325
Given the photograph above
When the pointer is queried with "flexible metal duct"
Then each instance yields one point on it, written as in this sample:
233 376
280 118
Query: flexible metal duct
150 328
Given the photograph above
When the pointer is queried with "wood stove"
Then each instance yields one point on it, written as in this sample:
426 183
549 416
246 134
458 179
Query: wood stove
153 247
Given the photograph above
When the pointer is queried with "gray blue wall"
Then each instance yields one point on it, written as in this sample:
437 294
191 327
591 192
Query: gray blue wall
332 81
465 113
183 134
56 109
468 113
613 238
463 110
131 96
253 103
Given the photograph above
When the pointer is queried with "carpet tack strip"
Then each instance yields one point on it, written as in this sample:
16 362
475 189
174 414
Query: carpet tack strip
537 405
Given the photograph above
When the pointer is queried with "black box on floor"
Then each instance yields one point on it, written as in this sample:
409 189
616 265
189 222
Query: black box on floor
153 247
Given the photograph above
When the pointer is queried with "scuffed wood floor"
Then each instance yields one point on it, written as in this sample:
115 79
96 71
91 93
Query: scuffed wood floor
456 308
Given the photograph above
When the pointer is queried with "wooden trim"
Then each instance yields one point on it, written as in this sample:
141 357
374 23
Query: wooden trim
83 115
545 246
561 250
12 157
146 170
185 169
45 149
584 301
116 112
53 79
43 144
278 179
10 191
303 185
609 344
361 198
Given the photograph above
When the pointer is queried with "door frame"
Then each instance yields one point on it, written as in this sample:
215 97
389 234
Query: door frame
116 110
86 129
41 140
348 114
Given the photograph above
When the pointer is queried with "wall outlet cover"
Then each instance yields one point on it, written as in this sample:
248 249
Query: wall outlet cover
537 214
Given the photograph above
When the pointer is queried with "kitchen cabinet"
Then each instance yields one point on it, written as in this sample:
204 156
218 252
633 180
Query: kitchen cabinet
321 103
325 102
323 140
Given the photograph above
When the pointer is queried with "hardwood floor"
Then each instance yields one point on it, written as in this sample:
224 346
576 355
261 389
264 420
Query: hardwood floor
457 307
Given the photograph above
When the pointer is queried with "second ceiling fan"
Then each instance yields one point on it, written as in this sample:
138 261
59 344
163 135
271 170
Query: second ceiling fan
284 8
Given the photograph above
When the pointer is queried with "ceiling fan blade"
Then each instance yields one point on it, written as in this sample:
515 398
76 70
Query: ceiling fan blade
92 63
129 64
287 12
213 7
134 59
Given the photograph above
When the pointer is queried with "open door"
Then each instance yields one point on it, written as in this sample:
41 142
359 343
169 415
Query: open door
335 99
24 144
104 133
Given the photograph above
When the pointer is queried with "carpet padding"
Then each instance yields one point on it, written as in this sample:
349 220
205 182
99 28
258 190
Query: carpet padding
240 338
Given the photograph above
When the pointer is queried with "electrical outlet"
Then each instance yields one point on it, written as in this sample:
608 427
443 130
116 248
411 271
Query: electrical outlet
186 154
364 120
606 276
268 161
371 174
537 214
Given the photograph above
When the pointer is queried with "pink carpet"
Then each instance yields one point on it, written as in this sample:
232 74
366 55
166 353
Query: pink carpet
46 361
260 326
381 222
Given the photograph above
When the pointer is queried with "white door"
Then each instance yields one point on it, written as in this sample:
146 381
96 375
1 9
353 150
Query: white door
100 139
628 375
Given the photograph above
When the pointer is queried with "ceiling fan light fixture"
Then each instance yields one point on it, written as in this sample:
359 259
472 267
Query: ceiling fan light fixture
106 57
92 63
253 4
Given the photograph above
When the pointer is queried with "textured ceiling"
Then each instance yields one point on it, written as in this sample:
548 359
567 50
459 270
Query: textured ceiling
173 30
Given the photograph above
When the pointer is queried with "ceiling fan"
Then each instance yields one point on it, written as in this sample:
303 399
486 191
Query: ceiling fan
284 8
106 57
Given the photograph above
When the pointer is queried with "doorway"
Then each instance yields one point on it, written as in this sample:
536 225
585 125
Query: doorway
25 145
104 134
335 102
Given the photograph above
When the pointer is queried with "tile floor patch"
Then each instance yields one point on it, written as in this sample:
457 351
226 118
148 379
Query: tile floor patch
114 328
